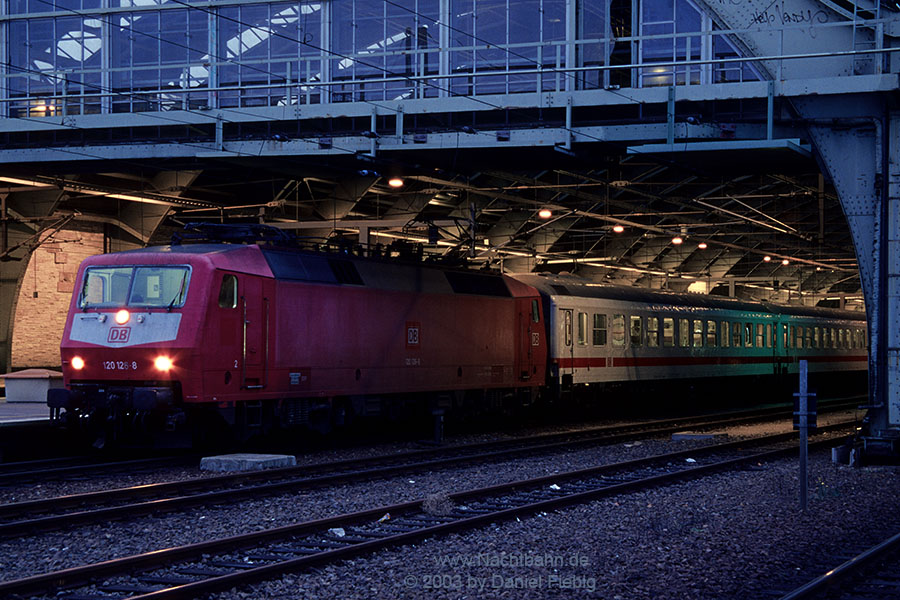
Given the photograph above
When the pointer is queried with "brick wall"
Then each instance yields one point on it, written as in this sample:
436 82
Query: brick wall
45 293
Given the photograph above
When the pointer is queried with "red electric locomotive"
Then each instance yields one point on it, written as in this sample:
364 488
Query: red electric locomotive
181 337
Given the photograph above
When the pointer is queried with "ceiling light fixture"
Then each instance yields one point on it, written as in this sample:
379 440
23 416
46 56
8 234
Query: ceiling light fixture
677 240
767 258
702 245
545 213
618 228
395 182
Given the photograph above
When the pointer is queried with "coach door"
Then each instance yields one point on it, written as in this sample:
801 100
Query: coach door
567 356
529 336
254 306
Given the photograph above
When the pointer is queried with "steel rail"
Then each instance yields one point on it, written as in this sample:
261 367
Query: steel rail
406 522
844 570
178 495
9 473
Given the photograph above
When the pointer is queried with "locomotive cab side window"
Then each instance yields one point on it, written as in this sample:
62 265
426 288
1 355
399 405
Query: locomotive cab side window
228 292
535 312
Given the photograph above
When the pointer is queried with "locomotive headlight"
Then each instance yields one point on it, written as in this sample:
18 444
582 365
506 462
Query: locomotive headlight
77 363
122 317
163 363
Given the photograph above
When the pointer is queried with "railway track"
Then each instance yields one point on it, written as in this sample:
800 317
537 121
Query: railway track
193 570
81 467
873 573
28 517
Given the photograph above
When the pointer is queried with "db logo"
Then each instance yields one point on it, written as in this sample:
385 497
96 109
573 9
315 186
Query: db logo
412 334
119 335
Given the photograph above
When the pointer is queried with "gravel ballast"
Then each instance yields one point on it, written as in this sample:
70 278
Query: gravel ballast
739 523
727 536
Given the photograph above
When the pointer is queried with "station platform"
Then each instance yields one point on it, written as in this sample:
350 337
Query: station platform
23 412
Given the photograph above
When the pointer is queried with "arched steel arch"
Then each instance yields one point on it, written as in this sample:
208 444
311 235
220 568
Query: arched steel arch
857 140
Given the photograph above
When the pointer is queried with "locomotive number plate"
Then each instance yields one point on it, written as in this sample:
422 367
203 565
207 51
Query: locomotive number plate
119 365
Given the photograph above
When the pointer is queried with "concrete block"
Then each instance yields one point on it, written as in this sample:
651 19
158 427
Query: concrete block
682 436
246 462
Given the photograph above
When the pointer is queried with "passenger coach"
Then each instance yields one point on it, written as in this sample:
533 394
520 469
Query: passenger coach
604 334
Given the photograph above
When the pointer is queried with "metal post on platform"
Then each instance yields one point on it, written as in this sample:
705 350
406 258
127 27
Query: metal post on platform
803 422
438 416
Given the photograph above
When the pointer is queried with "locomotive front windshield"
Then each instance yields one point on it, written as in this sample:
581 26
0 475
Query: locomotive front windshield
162 287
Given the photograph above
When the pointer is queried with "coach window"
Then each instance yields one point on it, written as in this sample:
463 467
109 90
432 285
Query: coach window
567 326
711 333
582 329
817 338
736 335
725 335
785 338
824 341
760 335
768 335
698 333
684 333
668 331
599 330
635 330
228 293
653 331
748 335
618 331
809 332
